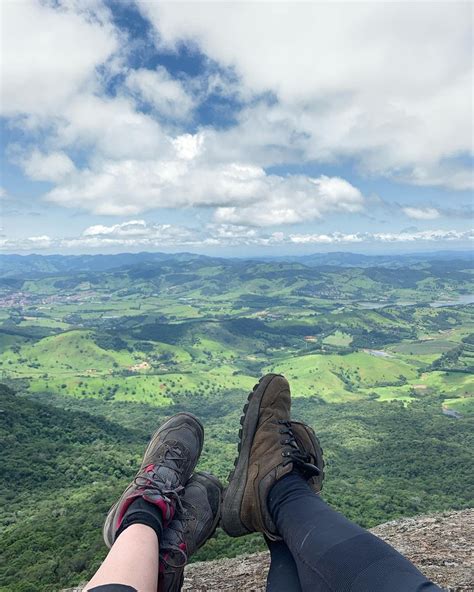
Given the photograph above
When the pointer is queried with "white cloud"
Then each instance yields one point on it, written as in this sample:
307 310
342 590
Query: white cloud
32 243
54 166
242 193
124 187
140 234
131 228
230 235
132 234
109 128
452 174
384 86
293 199
165 94
387 84
49 55
384 237
43 240
188 146
334 237
421 213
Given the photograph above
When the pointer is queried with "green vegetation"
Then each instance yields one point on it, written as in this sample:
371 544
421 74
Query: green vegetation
97 357
338 338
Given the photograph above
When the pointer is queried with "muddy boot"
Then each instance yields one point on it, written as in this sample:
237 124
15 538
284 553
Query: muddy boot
168 463
268 450
194 523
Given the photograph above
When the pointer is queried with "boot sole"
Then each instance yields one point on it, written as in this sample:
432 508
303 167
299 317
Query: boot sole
230 521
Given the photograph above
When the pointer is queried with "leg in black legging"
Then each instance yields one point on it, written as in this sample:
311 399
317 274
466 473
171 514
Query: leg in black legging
333 554
283 574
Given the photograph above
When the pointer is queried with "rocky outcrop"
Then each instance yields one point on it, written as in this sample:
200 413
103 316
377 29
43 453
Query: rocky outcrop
441 545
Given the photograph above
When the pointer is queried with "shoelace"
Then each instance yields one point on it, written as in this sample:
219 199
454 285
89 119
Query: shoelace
151 478
169 549
294 454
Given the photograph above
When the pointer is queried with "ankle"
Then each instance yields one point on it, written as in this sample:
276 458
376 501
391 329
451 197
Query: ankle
289 488
140 511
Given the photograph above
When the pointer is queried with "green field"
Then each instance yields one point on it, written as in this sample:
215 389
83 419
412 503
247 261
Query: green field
339 378
338 338
426 347
463 405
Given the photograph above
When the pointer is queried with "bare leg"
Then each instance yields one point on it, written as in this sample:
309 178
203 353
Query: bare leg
132 561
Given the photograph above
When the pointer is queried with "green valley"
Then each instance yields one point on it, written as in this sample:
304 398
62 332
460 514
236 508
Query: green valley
95 353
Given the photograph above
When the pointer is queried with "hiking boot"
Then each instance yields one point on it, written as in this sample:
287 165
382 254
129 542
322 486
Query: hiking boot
194 523
167 464
268 451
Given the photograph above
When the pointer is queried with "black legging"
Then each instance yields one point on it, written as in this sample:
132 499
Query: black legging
324 552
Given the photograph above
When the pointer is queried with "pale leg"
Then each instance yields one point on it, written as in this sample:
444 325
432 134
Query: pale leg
132 561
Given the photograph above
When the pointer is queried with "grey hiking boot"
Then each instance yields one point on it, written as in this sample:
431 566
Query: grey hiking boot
194 523
167 464
268 450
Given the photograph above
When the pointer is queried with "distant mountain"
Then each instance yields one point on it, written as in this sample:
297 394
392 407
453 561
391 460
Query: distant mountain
29 266
33 265
343 259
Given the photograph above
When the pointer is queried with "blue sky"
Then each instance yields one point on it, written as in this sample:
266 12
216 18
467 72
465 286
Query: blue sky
236 128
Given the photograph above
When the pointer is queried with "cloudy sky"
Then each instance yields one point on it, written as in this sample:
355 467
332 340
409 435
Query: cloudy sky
236 128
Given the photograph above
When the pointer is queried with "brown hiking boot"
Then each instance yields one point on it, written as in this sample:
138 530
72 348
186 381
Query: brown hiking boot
268 450
194 523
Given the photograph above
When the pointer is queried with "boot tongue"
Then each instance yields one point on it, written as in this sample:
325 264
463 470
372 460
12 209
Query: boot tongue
276 402
164 476
169 468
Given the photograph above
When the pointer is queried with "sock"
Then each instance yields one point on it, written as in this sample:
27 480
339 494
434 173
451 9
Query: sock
142 512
